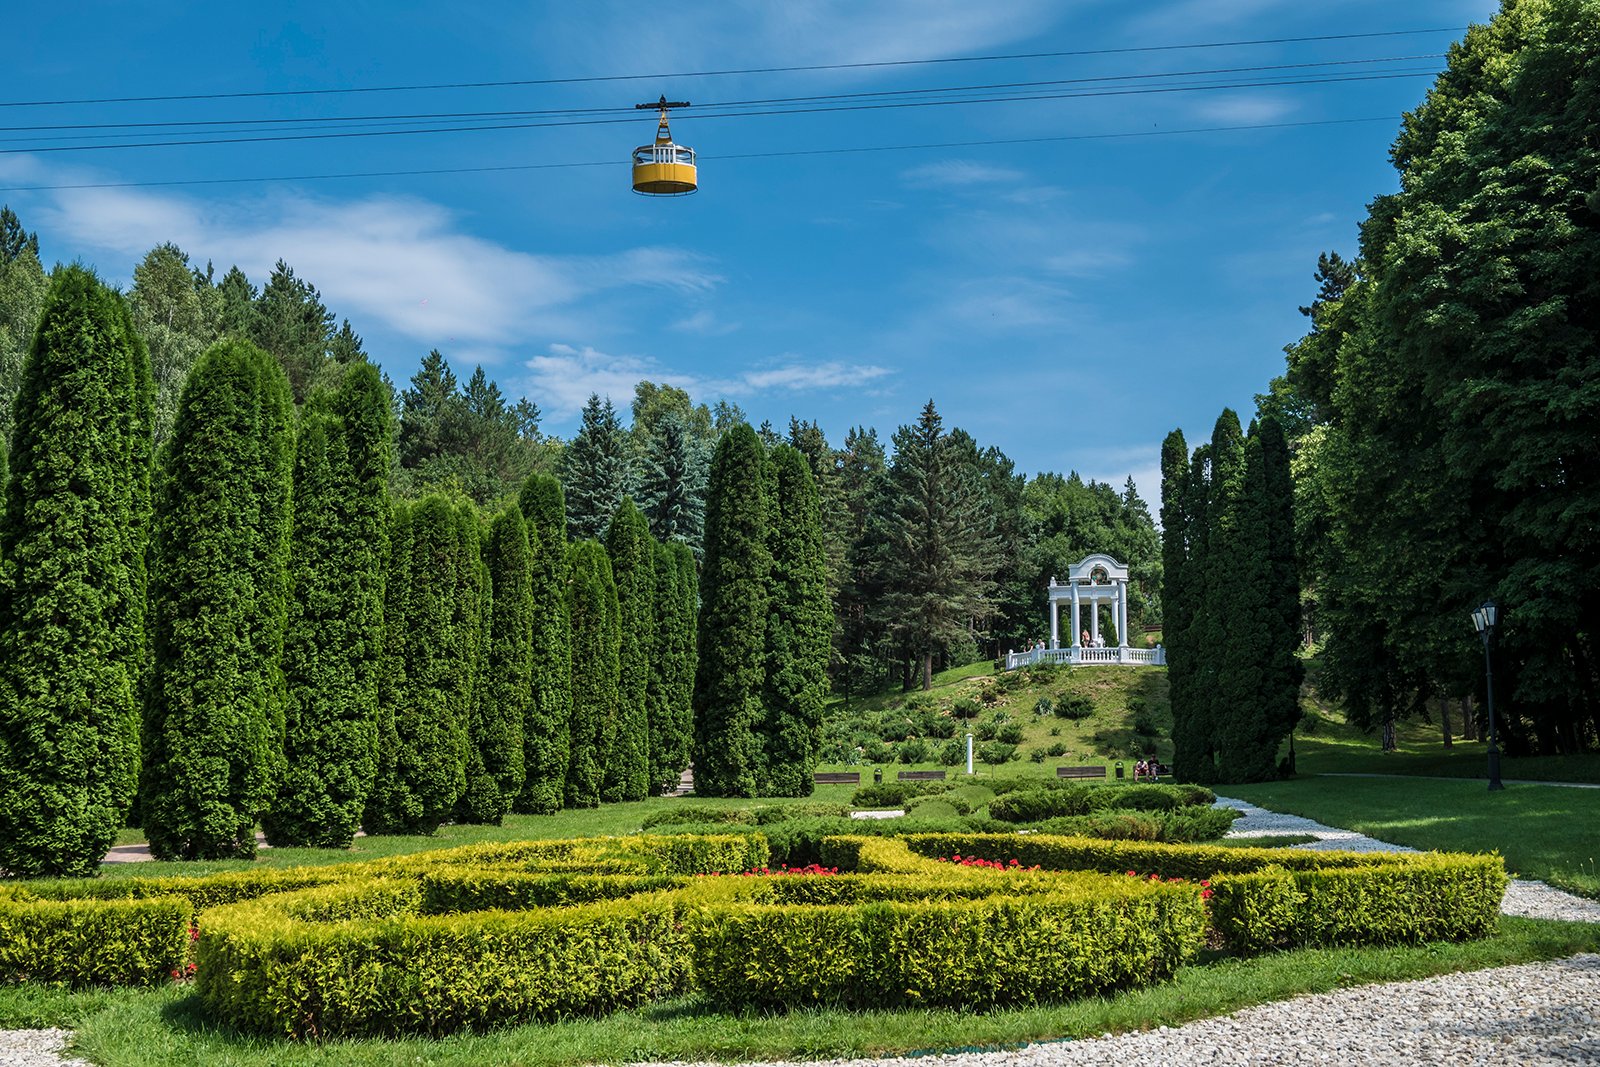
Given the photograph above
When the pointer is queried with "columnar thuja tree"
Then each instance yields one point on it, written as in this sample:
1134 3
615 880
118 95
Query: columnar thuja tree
428 706
386 796
632 552
547 727
596 649
798 631
71 584
733 620
669 699
495 774
213 728
334 642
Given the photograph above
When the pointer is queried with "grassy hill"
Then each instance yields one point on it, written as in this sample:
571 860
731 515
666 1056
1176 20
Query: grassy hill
1045 716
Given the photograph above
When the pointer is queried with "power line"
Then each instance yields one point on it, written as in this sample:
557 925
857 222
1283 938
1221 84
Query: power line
1081 53
333 120
744 155
1074 95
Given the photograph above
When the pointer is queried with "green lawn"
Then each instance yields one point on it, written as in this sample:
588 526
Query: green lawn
128 1028
1544 832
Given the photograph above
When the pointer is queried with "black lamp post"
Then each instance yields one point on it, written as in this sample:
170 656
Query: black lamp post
1483 618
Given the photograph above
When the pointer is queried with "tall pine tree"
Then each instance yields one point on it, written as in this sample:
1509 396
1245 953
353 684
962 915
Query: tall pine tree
672 484
333 643
670 698
596 651
214 720
72 583
799 629
547 728
733 620
632 552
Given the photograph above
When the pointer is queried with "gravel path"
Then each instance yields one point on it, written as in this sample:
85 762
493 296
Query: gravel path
1529 899
35 1048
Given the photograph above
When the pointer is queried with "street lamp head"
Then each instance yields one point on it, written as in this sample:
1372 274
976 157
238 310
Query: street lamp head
1488 613
1477 619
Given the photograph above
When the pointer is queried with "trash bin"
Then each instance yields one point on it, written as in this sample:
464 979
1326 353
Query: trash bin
877 776
1119 768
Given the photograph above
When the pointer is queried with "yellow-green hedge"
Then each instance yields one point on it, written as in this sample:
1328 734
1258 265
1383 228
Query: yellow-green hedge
94 942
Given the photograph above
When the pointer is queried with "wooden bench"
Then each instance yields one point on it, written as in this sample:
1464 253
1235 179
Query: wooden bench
837 777
921 776
1090 770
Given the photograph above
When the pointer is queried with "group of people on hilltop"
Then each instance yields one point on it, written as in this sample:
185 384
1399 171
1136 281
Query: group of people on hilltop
1091 642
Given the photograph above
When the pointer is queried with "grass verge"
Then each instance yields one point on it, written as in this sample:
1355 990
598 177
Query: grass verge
1543 832
127 1028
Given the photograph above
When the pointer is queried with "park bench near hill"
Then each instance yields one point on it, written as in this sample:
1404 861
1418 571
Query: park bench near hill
837 777
1090 770
921 776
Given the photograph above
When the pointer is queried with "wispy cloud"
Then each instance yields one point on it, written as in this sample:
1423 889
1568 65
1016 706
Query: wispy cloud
402 263
1241 108
563 378
704 323
958 173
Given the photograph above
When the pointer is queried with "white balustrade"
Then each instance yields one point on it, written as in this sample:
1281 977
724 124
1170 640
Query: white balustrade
1088 657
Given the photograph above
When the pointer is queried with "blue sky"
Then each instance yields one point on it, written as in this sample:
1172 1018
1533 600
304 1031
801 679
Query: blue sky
1069 301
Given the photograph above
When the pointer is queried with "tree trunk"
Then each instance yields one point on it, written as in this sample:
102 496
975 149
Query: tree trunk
1469 721
927 671
1388 734
1444 720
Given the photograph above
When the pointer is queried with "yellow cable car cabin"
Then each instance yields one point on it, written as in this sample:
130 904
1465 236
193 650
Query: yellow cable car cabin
664 168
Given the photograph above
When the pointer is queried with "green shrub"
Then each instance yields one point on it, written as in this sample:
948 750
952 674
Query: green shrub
1044 706
965 708
1037 755
1074 706
914 750
1008 682
894 726
995 753
93 942
1010 733
1144 724
1145 797
876 752
953 752
887 794
985 731
936 725
1033 805
1057 749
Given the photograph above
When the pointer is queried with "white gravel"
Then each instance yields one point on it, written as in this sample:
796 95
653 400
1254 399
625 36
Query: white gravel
35 1048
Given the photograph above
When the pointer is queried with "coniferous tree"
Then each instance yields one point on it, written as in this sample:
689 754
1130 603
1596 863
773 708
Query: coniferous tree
596 471
1281 698
214 720
670 698
386 799
174 311
547 729
429 411
1246 738
495 777
596 650
292 324
672 484
480 797
1178 564
430 708
732 625
632 552
236 304
72 582
334 640
22 291
798 631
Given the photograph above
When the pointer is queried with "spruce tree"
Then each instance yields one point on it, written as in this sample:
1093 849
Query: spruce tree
429 705
596 471
632 552
730 668
799 629
214 720
71 584
334 641
505 688
291 323
672 483
596 650
547 728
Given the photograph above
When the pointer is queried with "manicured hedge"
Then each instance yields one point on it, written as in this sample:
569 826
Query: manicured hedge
93 942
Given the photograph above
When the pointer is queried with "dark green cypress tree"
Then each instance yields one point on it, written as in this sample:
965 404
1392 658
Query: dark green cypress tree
671 694
214 720
799 629
733 620
596 650
1177 562
547 728
429 732
386 799
71 588
1285 672
1247 738
1198 747
633 569
481 798
334 641
496 777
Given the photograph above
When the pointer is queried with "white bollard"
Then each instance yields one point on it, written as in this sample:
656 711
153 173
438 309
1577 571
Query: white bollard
969 753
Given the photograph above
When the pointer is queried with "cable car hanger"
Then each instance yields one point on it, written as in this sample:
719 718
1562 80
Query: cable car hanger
664 168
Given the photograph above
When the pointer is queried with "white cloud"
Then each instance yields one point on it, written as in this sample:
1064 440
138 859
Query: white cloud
400 262
564 377
1244 109
704 323
959 173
